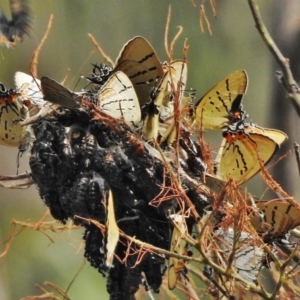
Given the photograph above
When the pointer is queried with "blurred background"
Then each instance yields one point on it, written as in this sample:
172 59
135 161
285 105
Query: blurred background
235 44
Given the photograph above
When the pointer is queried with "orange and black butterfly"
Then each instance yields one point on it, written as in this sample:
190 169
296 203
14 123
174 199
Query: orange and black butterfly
244 144
18 26
242 149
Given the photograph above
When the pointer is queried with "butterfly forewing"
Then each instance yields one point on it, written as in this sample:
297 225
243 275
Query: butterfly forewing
213 109
29 88
239 157
118 98
57 93
140 63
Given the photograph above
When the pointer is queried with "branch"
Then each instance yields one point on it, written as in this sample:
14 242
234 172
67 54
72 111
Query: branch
287 78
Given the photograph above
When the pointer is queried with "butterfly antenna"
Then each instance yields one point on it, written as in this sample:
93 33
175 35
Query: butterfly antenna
297 153
78 80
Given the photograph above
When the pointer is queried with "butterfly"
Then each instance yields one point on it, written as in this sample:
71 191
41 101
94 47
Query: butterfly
118 98
242 148
18 26
214 109
12 111
279 216
161 106
140 63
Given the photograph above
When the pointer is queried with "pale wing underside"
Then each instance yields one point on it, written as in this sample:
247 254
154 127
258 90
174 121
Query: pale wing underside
174 79
118 98
140 63
213 108
112 230
29 87
57 93
239 160
12 111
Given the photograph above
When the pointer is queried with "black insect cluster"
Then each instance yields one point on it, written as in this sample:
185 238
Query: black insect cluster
78 156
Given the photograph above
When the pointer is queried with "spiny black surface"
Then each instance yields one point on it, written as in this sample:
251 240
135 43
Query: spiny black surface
75 159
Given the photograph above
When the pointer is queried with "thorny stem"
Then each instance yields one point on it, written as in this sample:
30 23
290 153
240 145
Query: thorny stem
288 79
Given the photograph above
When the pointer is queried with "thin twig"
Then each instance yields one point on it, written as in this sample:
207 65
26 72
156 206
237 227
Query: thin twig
106 58
34 62
288 80
167 31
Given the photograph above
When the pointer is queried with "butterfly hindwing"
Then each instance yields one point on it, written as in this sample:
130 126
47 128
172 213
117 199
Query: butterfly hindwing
279 216
213 109
140 63
239 155
117 98
277 136
12 111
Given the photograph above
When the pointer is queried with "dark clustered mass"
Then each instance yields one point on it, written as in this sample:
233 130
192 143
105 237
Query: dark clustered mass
78 156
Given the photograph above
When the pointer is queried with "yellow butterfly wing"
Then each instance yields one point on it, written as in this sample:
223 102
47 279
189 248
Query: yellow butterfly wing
175 265
239 155
214 107
277 136
279 216
175 77
140 63
117 98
